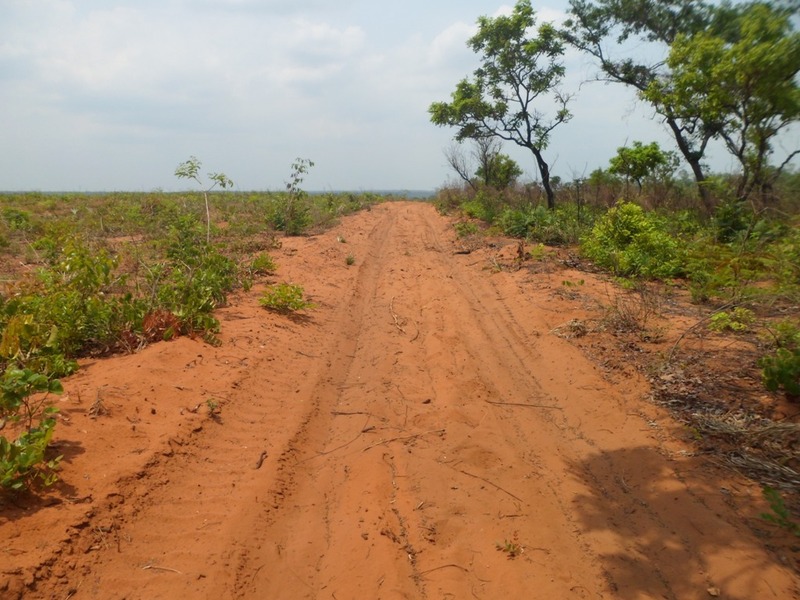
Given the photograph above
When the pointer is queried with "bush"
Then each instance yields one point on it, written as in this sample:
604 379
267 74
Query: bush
632 243
781 369
285 298
23 460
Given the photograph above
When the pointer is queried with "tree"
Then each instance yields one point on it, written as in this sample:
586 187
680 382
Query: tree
500 171
592 25
742 80
640 162
494 169
517 69
684 29
191 170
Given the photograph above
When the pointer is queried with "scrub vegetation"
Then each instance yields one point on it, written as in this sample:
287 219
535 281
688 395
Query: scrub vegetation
96 274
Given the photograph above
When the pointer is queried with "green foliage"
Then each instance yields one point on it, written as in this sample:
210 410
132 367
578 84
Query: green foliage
350 260
739 319
500 171
291 212
600 28
630 242
485 206
466 228
285 298
517 69
780 514
23 396
740 82
781 368
263 264
17 219
191 170
640 162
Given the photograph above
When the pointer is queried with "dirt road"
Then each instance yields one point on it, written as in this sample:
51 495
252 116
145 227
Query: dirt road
420 434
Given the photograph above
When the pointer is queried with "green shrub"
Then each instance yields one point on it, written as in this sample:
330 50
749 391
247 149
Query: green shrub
466 228
781 368
739 319
23 460
564 225
285 298
630 242
263 264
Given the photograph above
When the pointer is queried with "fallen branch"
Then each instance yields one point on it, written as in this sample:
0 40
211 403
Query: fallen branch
494 485
405 437
525 405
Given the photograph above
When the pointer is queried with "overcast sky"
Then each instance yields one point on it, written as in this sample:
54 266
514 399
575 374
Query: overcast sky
103 95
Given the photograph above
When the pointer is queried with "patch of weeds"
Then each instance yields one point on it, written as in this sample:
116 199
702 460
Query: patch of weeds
340 239
466 228
779 514
291 212
633 312
781 368
23 398
350 260
739 319
537 252
511 547
263 264
214 410
285 298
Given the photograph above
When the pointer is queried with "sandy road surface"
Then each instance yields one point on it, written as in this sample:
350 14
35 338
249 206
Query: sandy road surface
421 434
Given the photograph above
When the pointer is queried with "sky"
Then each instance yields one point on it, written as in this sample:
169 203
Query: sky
98 95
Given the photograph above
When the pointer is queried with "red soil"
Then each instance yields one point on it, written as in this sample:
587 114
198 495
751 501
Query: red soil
422 433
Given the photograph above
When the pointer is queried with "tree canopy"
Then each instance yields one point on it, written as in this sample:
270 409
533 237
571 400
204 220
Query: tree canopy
726 71
520 68
741 83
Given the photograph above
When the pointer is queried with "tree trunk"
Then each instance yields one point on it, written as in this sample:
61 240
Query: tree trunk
693 158
544 170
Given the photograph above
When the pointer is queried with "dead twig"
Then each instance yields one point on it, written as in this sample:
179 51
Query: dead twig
395 317
157 568
525 405
494 485
451 565
260 460
405 437
695 326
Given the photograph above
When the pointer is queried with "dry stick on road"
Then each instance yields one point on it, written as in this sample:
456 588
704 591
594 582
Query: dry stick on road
395 317
157 568
405 437
494 485
525 405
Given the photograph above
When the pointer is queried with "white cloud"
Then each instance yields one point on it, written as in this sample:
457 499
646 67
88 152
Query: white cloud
100 94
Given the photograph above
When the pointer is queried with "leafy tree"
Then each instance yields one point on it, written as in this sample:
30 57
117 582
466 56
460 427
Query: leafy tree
494 169
518 68
500 171
597 27
741 80
191 170
640 162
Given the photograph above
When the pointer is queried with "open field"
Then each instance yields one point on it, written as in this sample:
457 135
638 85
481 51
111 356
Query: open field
444 423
